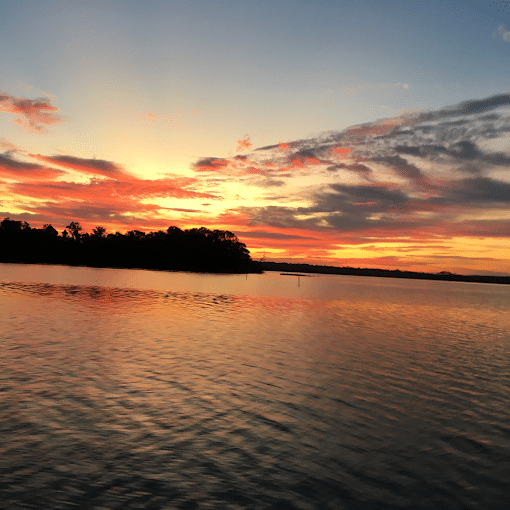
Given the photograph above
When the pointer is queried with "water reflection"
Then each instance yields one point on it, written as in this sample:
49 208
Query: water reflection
166 397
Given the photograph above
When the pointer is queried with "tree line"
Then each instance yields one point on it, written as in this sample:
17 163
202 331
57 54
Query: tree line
382 273
196 249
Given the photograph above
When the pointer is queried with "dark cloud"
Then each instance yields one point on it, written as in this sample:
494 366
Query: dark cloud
267 182
464 150
210 164
424 151
88 166
478 191
467 108
272 235
19 170
362 170
400 166
278 217
365 193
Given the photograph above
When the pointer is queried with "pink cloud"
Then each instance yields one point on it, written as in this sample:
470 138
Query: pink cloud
33 114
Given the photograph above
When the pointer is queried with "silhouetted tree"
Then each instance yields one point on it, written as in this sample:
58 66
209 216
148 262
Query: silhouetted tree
99 232
75 229
49 230
197 249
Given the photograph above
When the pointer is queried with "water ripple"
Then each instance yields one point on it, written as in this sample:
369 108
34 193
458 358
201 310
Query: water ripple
141 398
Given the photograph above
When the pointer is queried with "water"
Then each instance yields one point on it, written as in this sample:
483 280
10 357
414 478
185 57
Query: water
140 389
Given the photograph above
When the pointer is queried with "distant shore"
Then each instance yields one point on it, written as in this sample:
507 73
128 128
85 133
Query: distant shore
198 249
286 267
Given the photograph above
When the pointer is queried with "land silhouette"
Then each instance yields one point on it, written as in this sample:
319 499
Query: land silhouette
196 249
383 273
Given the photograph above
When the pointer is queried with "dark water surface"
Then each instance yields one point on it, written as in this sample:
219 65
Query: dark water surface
139 389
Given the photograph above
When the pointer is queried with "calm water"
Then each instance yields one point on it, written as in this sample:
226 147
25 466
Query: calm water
138 389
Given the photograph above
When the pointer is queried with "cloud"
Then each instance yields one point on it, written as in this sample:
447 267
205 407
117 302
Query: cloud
7 146
399 85
148 116
111 203
358 168
402 168
502 34
244 143
106 191
411 177
33 114
407 146
267 182
478 191
237 166
262 234
420 177
177 118
17 170
210 164
119 199
467 108
87 166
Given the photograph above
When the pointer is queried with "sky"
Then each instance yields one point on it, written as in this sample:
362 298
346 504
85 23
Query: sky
348 133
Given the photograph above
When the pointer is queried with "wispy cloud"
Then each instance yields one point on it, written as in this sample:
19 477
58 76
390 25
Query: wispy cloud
151 117
502 34
111 195
243 143
404 86
10 168
33 114
87 166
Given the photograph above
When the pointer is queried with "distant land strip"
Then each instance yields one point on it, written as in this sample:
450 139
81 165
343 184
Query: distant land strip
383 273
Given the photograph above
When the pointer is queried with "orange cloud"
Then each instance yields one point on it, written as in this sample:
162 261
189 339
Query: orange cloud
148 116
341 150
296 162
283 146
34 113
110 191
244 143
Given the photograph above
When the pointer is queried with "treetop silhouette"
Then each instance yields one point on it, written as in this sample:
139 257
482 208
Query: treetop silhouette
196 249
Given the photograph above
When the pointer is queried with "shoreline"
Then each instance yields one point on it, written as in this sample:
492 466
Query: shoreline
285 267
288 269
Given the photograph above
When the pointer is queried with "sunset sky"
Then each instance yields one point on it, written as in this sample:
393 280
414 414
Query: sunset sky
366 134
